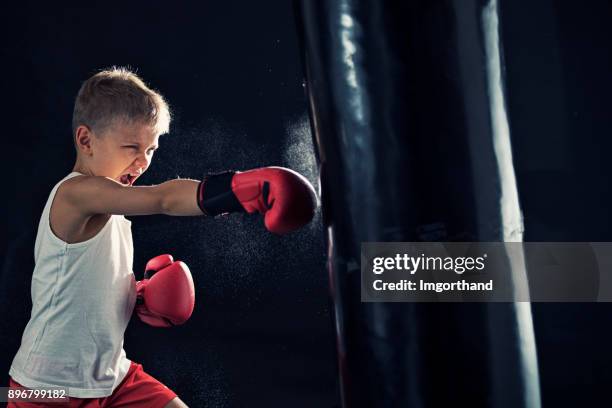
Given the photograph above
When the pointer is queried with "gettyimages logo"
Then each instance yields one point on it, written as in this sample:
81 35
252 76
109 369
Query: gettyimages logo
413 264
486 272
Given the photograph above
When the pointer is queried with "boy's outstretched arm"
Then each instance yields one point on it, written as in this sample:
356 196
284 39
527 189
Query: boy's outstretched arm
102 195
284 197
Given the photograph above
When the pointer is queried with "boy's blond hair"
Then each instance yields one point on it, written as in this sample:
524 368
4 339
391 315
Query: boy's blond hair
117 95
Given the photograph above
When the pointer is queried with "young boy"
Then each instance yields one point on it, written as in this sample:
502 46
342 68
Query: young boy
83 287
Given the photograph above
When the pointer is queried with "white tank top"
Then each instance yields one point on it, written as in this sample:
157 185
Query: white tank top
83 295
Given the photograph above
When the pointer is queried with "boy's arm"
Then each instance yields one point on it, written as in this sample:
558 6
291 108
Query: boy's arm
284 197
102 195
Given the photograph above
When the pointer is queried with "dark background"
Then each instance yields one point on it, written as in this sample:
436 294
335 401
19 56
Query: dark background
261 334
559 82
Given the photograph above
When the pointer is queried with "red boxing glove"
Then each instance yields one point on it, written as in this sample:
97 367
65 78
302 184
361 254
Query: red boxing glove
167 297
285 198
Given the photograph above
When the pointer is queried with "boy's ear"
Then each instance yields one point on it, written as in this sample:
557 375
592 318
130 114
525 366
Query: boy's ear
83 138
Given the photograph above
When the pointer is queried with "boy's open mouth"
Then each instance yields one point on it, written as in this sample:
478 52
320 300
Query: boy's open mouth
127 179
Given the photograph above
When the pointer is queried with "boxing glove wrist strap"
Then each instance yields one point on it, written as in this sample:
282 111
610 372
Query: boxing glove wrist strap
215 195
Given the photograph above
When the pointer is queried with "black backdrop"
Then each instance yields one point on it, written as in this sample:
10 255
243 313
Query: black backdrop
261 333
558 67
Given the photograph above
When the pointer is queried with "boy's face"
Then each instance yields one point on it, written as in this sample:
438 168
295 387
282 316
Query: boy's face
124 151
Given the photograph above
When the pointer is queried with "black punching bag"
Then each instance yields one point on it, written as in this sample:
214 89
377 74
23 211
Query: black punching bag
407 107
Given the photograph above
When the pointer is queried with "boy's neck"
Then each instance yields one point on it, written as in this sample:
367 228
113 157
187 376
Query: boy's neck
80 167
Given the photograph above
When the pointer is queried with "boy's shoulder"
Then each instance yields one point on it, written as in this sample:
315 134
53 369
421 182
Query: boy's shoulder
68 220
70 187
73 186
75 192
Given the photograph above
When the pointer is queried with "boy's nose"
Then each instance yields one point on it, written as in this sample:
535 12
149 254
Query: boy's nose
142 163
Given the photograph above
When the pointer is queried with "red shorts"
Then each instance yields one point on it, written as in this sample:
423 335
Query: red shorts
138 389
